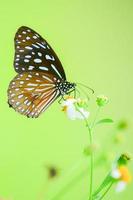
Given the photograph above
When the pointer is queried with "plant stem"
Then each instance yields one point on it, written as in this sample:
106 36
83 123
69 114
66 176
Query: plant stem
95 118
106 191
107 180
90 127
71 183
91 166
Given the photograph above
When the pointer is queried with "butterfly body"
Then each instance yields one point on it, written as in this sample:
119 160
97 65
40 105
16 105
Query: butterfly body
41 78
65 86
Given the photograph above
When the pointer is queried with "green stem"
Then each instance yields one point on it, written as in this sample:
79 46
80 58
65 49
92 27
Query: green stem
106 191
90 128
91 155
72 180
59 194
107 179
95 118
91 166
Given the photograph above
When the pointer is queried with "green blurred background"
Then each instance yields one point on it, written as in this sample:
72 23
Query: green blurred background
94 41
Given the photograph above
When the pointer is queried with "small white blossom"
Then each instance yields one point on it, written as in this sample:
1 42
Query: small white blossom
122 177
121 185
116 174
73 110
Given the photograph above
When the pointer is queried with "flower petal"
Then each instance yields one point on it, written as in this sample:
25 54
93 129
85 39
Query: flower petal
73 109
116 174
82 114
121 185
71 112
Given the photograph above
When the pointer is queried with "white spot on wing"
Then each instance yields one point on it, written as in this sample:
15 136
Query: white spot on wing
17 103
21 82
28 103
34 45
35 37
26 60
49 57
48 47
28 56
41 45
43 68
37 60
39 54
57 72
20 96
29 75
27 38
31 67
12 95
28 47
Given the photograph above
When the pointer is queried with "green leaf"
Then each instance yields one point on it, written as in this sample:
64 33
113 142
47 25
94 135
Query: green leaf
106 120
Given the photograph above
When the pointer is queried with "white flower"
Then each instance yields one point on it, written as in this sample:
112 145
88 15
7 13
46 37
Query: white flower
74 109
116 174
122 177
121 185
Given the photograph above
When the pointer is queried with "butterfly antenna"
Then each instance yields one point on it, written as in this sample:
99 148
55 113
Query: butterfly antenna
76 90
86 87
83 92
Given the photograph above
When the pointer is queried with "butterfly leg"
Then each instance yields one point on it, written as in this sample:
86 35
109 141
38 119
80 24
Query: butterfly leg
74 93
62 97
73 90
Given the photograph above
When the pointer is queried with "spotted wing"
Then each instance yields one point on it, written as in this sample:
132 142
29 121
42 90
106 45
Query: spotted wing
33 53
31 93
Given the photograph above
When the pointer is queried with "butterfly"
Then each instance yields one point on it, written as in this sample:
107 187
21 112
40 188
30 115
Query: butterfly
40 78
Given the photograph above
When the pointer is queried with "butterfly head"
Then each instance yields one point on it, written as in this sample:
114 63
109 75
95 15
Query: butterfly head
65 87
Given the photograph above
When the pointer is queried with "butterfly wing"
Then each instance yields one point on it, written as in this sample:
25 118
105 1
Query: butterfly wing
33 53
31 93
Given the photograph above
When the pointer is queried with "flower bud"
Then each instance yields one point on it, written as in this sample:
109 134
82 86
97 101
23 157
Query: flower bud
101 100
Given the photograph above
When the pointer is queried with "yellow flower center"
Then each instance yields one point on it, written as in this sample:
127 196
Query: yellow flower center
64 109
125 174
